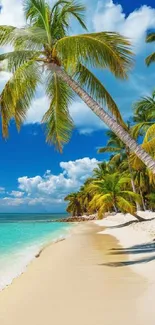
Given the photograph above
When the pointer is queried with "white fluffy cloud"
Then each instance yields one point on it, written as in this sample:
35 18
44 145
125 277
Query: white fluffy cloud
79 169
12 13
73 175
37 110
14 202
2 190
17 194
111 17
48 191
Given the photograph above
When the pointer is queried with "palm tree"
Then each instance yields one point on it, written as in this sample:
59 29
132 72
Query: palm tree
44 52
151 198
141 178
149 39
149 146
110 194
101 170
144 115
74 205
121 153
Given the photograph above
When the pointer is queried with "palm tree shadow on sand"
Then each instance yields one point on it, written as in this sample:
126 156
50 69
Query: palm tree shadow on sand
128 223
137 249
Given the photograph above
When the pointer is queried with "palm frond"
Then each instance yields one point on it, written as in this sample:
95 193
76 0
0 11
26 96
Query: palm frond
108 149
149 147
150 133
30 38
125 205
17 58
38 13
60 15
57 4
75 9
150 59
96 89
150 37
115 159
124 180
18 93
144 108
102 50
136 197
135 162
139 128
6 34
58 121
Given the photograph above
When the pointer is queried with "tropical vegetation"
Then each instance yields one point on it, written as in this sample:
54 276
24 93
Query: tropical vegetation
122 183
44 52
149 39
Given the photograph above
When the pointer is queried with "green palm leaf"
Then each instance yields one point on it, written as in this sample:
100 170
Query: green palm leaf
96 89
139 129
136 197
17 58
150 59
30 38
60 15
150 134
38 13
58 120
149 147
102 50
108 149
125 205
150 37
144 109
18 94
75 9
115 159
5 34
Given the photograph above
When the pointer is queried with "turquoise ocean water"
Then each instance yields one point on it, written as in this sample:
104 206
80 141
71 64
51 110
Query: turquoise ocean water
21 238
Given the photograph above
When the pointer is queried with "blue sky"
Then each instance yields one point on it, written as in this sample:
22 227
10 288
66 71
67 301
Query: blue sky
34 177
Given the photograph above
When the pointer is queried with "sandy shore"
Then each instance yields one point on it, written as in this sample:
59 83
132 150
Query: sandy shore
79 281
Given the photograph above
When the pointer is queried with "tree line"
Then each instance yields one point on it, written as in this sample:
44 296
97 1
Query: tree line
123 182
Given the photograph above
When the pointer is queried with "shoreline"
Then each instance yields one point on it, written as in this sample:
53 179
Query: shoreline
36 254
75 277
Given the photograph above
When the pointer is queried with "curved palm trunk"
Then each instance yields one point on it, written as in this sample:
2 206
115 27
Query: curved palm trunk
105 117
140 219
143 202
132 182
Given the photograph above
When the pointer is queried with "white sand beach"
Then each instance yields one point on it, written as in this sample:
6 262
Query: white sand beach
88 279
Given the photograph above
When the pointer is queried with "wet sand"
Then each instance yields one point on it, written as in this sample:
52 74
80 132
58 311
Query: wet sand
73 282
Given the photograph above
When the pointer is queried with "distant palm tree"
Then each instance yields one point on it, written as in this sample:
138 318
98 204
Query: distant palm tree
101 170
44 52
74 207
144 115
110 194
121 154
149 146
149 39
142 181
